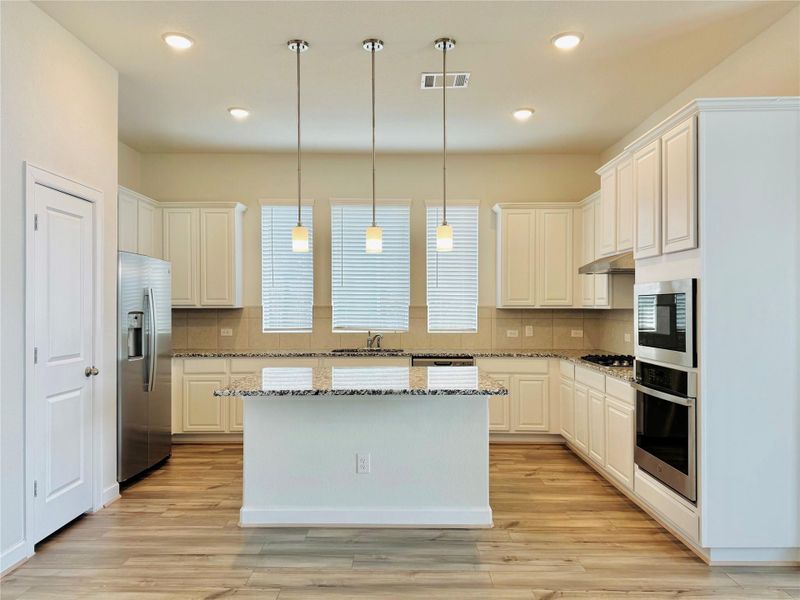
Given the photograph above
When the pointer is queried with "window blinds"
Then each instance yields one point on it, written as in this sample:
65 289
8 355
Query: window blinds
287 278
453 276
369 291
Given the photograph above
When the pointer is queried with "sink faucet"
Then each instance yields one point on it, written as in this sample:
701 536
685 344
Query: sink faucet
374 340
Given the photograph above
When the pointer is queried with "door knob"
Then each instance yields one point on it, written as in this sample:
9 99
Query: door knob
89 371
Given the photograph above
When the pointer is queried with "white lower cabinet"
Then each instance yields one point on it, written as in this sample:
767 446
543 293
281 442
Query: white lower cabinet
566 403
581 393
597 426
500 406
619 430
202 411
530 403
527 407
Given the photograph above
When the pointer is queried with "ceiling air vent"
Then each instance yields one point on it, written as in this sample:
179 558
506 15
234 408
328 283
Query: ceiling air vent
433 81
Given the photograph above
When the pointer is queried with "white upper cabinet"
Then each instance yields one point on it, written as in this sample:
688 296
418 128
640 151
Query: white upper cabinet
679 187
647 200
606 234
138 223
535 256
625 205
204 244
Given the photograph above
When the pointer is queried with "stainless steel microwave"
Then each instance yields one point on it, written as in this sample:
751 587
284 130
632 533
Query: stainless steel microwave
664 319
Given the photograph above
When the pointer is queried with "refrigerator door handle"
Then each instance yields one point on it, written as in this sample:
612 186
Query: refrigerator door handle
152 340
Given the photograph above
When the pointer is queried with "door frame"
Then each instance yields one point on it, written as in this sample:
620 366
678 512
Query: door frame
36 175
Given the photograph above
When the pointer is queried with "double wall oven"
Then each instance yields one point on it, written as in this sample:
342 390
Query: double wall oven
666 389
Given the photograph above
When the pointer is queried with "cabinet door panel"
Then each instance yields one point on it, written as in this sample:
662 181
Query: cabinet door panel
601 294
581 417
217 257
647 200
517 258
625 205
202 411
679 191
554 266
619 441
587 290
597 437
180 248
127 223
606 236
530 404
566 402
147 230
235 414
588 226
500 406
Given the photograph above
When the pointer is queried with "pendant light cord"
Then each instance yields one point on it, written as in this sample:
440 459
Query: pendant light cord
372 56
444 133
299 196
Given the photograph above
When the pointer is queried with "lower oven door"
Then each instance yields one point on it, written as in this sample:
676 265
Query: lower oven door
666 439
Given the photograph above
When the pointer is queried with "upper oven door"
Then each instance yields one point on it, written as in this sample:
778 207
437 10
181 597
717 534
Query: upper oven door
664 319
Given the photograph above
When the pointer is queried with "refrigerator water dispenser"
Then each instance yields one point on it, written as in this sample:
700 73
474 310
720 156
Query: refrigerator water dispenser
135 329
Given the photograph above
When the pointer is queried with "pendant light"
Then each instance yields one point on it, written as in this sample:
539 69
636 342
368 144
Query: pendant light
444 233
374 235
300 232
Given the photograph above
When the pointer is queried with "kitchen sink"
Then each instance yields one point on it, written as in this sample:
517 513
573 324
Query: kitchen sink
367 351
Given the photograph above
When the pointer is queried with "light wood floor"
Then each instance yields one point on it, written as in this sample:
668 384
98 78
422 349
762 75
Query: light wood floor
560 532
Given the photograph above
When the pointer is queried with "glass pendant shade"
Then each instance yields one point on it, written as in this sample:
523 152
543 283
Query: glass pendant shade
300 239
374 240
444 238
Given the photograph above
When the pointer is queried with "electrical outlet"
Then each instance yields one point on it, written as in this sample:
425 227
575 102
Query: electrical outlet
362 463
627 337
528 330
512 333
577 333
226 332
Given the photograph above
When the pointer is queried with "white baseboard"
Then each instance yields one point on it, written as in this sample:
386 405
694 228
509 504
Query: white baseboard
13 557
206 438
500 437
110 494
360 517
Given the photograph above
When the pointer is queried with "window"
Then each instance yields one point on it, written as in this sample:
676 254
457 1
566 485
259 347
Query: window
369 291
453 276
287 278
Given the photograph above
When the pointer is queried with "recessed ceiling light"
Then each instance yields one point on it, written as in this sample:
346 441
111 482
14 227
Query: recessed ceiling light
238 113
523 114
567 41
179 41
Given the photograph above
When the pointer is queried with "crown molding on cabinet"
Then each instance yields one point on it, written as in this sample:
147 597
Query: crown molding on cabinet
192 204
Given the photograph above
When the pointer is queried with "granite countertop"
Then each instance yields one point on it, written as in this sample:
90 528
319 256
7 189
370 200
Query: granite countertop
365 381
622 373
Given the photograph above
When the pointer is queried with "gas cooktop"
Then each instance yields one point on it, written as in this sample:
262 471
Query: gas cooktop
610 360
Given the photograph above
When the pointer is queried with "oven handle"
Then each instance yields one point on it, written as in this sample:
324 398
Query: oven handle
663 395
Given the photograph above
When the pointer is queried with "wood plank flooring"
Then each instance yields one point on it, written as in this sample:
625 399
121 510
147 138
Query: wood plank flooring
560 531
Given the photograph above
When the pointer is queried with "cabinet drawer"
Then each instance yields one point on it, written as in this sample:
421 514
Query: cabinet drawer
205 365
513 365
620 390
670 508
567 369
593 379
246 366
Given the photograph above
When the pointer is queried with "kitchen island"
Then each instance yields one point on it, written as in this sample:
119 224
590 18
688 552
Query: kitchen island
366 446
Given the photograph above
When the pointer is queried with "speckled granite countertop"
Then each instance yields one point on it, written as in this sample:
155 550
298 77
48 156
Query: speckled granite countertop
622 373
365 381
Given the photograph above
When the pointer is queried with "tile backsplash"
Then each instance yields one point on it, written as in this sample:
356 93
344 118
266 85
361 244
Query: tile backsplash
544 329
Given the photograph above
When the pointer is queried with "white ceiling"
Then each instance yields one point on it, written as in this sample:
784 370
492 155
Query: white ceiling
635 57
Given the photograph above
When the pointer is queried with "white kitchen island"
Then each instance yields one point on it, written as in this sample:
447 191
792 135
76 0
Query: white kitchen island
420 433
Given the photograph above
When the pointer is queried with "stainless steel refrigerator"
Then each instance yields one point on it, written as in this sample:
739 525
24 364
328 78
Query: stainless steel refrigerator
144 363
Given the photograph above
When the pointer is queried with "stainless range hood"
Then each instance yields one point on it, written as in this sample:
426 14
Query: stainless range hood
610 265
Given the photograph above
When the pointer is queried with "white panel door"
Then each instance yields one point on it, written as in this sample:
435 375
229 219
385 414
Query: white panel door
581 417
597 428
566 402
180 248
127 222
554 267
679 188
146 234
606 235
647 200
619 430
625 205
217 257
531 403
517 257
63 330
499 406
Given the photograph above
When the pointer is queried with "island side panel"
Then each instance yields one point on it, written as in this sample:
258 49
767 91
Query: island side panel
429 461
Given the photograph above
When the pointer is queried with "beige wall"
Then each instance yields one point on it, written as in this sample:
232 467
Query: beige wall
59 112
249 177
130 168
768 65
